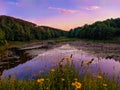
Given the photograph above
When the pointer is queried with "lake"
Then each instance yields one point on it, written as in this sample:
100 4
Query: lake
49 59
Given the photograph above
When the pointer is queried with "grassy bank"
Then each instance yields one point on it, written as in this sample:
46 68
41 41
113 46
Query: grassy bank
19 43
64 77
58 40
113 40
64 39
10 44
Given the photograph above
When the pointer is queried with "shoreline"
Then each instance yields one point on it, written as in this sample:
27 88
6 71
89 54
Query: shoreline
104 50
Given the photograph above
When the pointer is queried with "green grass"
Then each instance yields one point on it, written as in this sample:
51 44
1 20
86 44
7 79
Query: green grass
64 77
19 43
58 40
113 40
4 48
64 39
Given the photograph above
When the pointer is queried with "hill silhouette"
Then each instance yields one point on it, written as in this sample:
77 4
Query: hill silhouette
14 29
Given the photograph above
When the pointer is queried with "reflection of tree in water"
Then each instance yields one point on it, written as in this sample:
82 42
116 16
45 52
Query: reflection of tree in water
115 57
50 59
18 57
105 50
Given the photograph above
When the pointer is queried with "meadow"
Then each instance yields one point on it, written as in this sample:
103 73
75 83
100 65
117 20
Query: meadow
64 77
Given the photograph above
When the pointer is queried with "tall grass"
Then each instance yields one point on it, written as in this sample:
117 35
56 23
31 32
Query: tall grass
64 77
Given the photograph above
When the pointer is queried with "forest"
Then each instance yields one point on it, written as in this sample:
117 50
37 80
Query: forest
14 29
101 30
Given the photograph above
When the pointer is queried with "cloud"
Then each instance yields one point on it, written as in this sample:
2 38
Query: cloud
22 3
64 11
92 8
13 3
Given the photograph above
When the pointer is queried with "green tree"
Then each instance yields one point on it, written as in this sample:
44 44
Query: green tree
2 37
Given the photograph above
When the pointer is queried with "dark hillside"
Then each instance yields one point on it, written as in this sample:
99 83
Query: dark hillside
102 30
14 29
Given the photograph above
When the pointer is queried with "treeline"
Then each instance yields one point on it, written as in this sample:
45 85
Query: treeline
13 29
99 30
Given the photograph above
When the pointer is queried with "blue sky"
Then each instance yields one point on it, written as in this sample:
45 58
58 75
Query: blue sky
63 14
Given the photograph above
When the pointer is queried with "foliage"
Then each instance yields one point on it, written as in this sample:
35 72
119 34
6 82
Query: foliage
99 30
64 39
13 29
64 77
2 37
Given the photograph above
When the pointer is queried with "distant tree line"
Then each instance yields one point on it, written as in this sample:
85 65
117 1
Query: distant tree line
13 29
99 30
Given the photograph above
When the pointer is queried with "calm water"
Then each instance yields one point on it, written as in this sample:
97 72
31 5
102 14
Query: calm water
47 60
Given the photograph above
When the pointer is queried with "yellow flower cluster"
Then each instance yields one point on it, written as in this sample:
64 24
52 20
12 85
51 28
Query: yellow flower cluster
52 70
99 77
75 79
62 79
40 80
87 63
104 84
77 85
67 58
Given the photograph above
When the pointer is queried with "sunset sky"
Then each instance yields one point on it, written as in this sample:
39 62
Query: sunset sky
63 14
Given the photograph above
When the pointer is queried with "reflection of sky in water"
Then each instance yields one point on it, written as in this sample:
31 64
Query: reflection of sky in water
44 62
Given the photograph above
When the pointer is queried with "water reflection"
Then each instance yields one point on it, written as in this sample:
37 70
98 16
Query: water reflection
47 60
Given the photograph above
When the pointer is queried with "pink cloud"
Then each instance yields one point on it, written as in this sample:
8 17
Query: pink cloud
72 22
92 8
61 10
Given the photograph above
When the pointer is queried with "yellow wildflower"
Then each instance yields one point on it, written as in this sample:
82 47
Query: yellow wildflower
52 70
73 84
99 77
87 62
67 59
41 80
47 88
75 79
104 84
77 85
62 79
